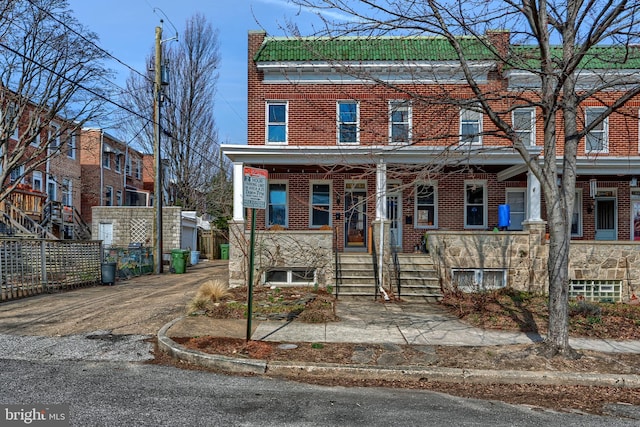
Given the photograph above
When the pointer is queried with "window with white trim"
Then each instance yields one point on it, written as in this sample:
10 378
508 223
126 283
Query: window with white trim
108 196
16 174
36 181
576 216
277 209
399 122
597 140
290 276
34 125
117 163
54 137
320 204
52 188
128 166
348 122
71 145
118 198
524 125
471 125
475 204
67 193
138 169
426 206
277 122
10 119
106 160
516 198
478 279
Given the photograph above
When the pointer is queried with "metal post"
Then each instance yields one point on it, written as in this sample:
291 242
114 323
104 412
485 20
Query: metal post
250 284
156 149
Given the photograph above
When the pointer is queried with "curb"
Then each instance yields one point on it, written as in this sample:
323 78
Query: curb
397 373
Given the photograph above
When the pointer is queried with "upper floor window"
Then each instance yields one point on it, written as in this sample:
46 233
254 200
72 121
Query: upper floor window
108 197
67 194
10 119
34 126
138 169
127 166
399 122
277 212
118 198
471 125
320 205
17 173
524 125
71 146
106 160
54 137
348 122
597 139
475 204
426 206
277 122
117 163
52 188
36 181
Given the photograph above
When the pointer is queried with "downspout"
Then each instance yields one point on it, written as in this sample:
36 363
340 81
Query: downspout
101 166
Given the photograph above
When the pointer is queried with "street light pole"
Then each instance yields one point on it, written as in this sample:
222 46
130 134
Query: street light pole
157 89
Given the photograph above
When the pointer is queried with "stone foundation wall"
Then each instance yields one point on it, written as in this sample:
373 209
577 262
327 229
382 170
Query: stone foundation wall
281 249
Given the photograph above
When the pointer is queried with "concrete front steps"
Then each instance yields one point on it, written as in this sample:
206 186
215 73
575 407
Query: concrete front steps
418 278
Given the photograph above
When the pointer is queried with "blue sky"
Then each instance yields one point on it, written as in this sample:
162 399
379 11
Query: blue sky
127 29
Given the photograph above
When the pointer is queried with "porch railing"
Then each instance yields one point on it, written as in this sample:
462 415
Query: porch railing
374 259
396 262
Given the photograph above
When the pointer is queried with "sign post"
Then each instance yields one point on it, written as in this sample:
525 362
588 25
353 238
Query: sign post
254 192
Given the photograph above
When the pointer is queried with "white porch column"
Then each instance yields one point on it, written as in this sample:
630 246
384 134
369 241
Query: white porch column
238 183
381 191
533 198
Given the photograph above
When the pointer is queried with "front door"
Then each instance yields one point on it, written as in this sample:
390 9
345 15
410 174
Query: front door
355 224
606 219
394 213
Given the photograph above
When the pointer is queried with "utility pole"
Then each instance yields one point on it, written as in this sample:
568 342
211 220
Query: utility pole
157 93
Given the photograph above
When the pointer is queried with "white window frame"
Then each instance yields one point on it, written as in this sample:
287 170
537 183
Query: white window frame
71 146
483 184
119 198
138 169
512 226
67 192
54 137
531 131
37 176
11 111
128 166
478 284
577 210
416 212
117 164
340 122
312 204
52 188
35 122
269 123
106 160
286 207
601 131
108 196
17 174
395 106
289 271
471 117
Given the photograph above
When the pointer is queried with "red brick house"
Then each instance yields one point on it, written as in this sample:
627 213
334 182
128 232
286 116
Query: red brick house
345 153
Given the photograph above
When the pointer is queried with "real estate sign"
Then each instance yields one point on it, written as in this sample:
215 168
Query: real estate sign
255 188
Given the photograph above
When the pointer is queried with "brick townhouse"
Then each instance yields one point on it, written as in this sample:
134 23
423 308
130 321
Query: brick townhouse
344 153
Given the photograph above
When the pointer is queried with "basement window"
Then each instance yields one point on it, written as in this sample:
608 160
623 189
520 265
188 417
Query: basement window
596 290
478 279
291 276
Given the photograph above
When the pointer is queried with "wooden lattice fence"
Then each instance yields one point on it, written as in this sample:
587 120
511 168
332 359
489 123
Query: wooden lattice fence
33 266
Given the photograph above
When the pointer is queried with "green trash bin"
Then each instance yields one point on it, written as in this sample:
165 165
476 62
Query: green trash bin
186 256
224 251
178 261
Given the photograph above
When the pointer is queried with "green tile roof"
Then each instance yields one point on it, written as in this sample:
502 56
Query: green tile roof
357 49
368 49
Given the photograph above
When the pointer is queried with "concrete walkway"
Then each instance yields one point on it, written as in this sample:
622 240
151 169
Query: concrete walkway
413 324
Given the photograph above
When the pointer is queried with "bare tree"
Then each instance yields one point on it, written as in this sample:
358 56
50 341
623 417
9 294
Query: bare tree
558 41
190 144
50 72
